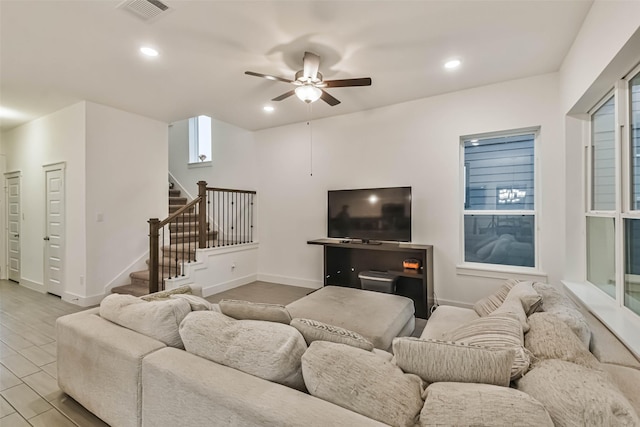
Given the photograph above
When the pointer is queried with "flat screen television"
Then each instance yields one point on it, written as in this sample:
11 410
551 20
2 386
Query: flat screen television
370 214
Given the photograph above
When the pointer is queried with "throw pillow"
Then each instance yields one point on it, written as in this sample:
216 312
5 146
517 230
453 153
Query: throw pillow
197 303
439 361
512 306
156 319
245 310
496 332
550 338
268 350
458 404
362 382
554 301
163 295
577 396
312 330
488 304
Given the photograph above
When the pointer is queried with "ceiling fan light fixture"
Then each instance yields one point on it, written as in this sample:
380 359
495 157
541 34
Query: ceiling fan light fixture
308 93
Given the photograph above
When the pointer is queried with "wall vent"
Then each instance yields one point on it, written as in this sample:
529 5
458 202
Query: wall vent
144 9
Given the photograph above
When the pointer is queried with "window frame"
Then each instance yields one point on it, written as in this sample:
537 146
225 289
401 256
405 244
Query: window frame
623 184
193 135
501 270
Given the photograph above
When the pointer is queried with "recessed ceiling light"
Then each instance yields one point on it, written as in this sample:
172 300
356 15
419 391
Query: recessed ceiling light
268 108
149 51
452 64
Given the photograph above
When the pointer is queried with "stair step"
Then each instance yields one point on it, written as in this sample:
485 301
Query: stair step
174 208
169 265
173 192
184 225
185 216
190 236
138 277
177 201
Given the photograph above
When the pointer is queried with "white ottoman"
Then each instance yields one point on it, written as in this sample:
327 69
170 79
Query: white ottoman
377 316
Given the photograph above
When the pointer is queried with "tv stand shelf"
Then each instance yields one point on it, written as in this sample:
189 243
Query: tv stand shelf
343 261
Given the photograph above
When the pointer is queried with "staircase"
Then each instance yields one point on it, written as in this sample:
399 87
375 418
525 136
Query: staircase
183 234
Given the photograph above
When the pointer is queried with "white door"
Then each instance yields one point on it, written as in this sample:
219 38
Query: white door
13 222
54 239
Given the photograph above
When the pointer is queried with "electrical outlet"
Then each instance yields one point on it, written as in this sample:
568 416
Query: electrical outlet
233 266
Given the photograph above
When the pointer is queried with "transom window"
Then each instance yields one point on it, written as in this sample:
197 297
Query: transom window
499 199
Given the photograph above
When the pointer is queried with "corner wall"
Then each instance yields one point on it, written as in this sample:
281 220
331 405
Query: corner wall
414 143
58 137
127 161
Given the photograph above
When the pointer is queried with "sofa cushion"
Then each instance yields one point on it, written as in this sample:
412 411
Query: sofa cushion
197 303
551 338
359 380
446 318
245 310
450 403
269 350
163 295
441 361
312 330
627 380
156 319
512 306
577 396
486 305
554 301
496 332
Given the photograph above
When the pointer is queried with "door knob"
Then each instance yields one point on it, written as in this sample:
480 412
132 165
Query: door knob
46 238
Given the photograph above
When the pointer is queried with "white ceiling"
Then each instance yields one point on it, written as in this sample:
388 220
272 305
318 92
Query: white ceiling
54 53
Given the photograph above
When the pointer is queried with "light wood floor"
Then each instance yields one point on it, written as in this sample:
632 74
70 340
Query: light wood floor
29 394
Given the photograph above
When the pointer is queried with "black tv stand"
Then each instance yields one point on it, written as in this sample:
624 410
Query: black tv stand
343 262
370 242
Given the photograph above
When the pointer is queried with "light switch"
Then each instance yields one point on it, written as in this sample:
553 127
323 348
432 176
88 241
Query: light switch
99 217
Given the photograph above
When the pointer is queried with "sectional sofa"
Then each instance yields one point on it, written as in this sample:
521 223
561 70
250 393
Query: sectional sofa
243 364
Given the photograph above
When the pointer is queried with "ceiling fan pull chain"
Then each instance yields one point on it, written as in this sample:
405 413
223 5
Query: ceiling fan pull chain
310 140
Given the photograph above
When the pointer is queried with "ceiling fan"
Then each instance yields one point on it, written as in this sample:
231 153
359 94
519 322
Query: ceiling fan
309 82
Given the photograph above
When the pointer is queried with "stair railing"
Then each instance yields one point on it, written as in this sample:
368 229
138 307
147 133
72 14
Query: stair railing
224 217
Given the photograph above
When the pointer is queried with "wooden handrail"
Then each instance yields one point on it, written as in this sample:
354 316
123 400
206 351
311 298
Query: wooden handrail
202 207
155 225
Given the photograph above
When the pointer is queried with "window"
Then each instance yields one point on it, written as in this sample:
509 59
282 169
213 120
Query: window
632 225
499 199
613 214
200 139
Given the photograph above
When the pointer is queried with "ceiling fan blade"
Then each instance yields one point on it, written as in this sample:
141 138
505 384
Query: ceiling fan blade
329 99
267 76
311 64
364 81
284 95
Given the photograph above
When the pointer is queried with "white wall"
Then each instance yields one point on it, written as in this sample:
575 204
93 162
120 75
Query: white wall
606 29
127 161
58 137
414 143
233 152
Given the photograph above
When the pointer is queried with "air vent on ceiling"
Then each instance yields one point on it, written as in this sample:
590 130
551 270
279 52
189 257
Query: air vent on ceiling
145 9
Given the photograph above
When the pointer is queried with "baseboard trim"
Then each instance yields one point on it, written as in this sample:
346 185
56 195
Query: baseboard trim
291 281
34 286
82 301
